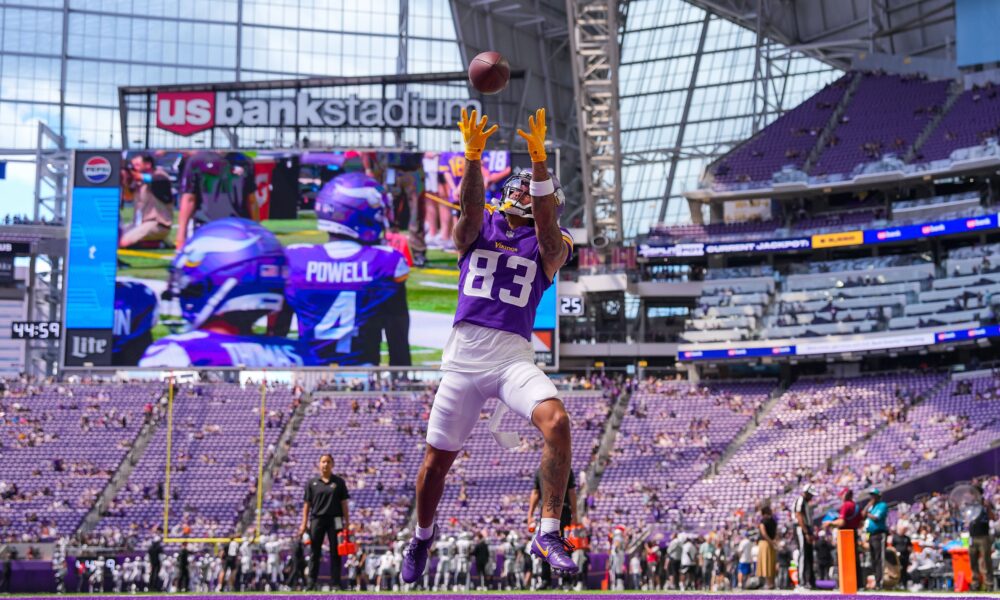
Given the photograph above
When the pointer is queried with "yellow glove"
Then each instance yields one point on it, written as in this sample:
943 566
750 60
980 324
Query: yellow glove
474 133
536 140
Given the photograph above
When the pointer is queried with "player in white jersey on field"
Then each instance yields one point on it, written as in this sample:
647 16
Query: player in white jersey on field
463 562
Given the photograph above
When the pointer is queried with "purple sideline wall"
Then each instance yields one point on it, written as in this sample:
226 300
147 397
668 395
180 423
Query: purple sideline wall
984 463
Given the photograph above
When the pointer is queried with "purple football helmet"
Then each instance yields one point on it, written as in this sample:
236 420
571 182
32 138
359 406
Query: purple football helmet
516 199
353 205
227 266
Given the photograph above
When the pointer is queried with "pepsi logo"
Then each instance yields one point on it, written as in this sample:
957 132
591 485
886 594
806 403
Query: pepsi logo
881 235
97 169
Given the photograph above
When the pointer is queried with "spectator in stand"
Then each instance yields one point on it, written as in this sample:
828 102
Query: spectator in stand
767 546
876 513
981 545
805 537
850 518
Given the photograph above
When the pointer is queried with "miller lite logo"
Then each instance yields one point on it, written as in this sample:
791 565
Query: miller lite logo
185 113
84 346
97 169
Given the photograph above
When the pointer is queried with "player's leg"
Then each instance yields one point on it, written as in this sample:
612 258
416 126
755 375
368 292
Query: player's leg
527 391
317 533
453 415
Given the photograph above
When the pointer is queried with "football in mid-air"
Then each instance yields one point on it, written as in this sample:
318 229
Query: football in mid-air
489 72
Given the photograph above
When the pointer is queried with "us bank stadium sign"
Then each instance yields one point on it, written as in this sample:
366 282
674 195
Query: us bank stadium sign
187 113
366 102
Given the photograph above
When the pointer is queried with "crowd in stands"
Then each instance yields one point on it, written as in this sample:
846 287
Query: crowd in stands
671 509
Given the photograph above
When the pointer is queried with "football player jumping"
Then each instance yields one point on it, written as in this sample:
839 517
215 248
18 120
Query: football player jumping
508 258
229 274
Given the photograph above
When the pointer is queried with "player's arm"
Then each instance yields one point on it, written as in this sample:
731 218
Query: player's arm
184 218
472 193
551 245
304 525
347 516
395 315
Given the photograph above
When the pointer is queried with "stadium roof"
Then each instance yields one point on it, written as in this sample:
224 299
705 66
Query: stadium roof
836 30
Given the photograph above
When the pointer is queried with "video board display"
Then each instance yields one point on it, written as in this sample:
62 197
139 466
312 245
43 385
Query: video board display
270 259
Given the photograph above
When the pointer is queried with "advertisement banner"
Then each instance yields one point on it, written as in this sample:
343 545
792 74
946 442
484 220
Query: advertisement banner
785 245
967 334
736 353
263 171
839 239
672 251
933 229
837 346
93 240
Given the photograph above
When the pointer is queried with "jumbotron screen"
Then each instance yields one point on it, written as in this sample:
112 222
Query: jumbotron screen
270 259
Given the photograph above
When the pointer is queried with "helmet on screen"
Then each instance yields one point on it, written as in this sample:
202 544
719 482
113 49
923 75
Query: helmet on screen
353 205
228 266
515 197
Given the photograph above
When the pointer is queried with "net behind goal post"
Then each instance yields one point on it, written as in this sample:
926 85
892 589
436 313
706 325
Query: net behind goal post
260 418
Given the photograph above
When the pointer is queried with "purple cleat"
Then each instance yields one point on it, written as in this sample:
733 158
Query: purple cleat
415 557
554 549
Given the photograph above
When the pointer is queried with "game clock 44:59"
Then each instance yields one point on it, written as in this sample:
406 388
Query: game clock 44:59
34 330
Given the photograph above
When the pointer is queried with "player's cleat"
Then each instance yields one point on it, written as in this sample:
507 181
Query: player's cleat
555 550
415 557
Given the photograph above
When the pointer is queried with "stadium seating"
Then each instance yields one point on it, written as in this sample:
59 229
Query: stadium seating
882 121
378 443
810 424
672 433
787 141
957 419
728 309
213 466
885 116
972 119
59 444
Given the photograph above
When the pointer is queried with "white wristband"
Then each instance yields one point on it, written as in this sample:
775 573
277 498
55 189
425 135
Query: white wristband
541 188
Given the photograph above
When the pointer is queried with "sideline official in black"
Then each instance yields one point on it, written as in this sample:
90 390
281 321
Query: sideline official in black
324 514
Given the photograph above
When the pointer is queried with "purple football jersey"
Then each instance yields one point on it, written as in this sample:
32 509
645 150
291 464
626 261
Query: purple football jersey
502 279
338 291
210 349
